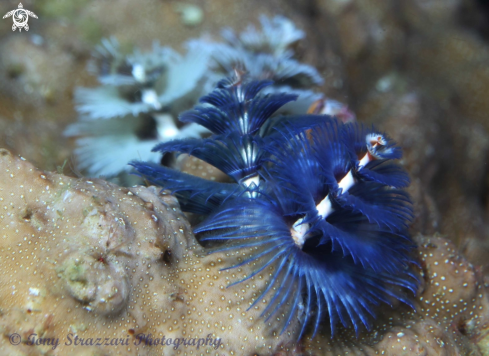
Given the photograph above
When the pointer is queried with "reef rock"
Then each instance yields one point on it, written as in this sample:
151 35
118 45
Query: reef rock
87 262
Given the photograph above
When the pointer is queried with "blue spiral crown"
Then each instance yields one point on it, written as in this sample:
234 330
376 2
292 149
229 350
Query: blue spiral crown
320 201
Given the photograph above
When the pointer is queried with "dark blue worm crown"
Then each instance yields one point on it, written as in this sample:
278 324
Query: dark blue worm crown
320 201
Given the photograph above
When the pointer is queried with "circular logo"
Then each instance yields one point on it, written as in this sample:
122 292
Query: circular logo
15 339
20 17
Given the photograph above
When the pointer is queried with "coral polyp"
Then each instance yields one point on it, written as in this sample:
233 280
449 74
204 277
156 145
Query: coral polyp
319 202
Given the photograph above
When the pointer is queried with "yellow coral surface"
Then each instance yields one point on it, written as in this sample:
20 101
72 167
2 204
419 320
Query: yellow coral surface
87 262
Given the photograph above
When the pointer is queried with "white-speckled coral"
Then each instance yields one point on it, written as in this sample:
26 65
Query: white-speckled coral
89 259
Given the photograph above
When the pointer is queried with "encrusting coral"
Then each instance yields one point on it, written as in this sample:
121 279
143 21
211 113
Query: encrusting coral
91 260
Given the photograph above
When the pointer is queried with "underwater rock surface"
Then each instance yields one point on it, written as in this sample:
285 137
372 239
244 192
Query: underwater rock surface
90 259
93 260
